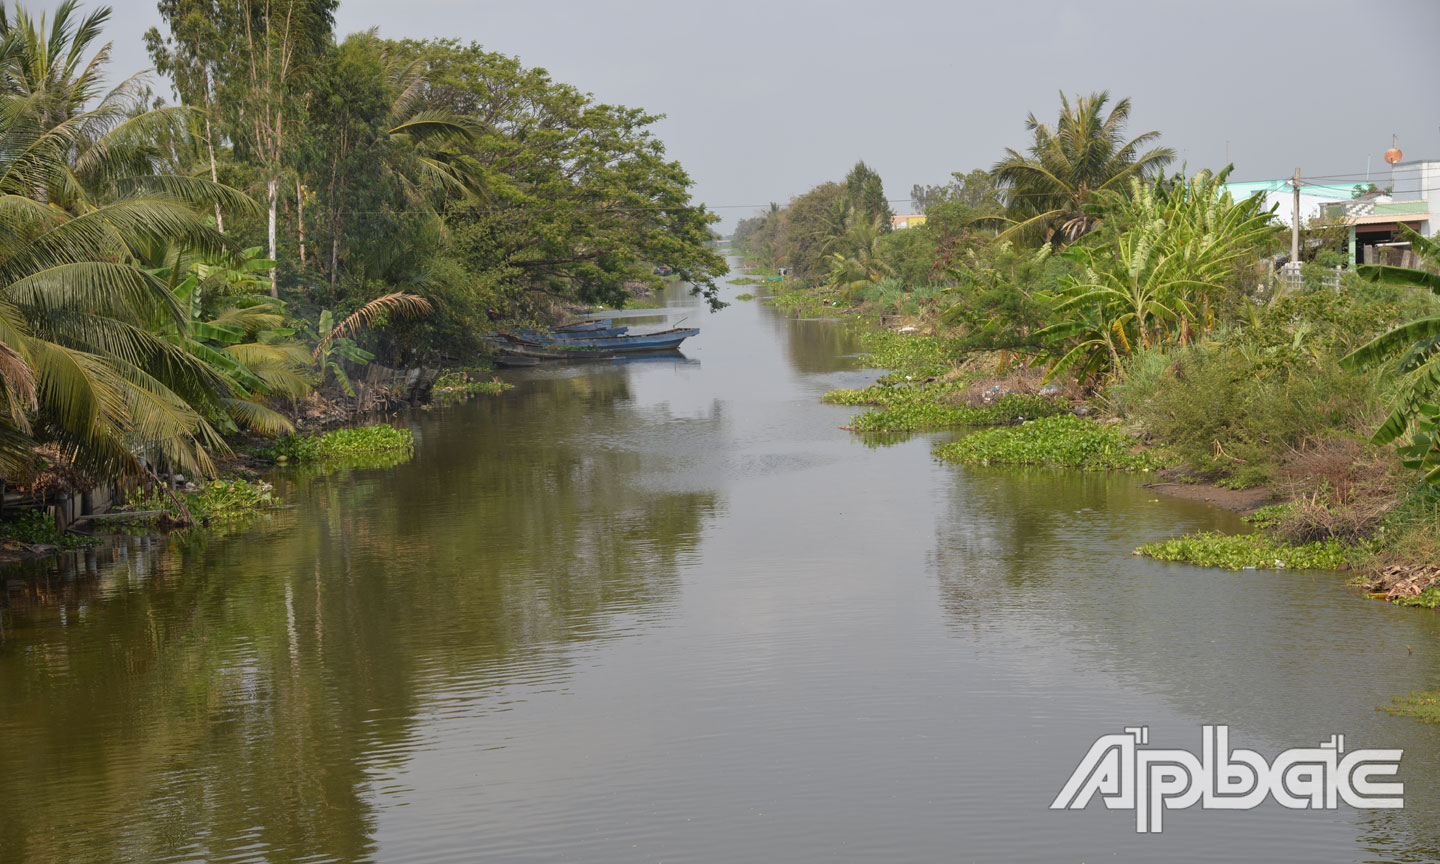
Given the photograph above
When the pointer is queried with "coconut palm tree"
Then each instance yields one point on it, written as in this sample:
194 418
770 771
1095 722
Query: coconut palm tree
1050 189
854 257
46 65
80 362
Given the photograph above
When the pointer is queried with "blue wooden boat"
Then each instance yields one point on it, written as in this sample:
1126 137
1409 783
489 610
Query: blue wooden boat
507 346
542 335
663 340
587 324
581 348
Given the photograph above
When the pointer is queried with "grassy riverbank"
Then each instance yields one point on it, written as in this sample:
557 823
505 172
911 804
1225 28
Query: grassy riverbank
1270 429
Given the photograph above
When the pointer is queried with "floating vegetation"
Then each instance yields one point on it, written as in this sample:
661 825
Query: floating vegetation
891 349
35 527
1258 551
816 303
746 296
455 386
341 443
888 395
214 501
1008 409
1064 441
1423 705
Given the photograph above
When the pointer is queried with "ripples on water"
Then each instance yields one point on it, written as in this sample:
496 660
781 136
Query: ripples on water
667 610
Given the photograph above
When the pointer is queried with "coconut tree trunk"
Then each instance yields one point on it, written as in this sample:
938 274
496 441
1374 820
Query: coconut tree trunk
210 146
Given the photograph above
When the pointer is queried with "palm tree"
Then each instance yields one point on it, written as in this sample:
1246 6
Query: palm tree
46 66
1051 188
426 154
80 362
854 255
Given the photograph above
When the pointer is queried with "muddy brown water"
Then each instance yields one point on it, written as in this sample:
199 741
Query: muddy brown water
665 610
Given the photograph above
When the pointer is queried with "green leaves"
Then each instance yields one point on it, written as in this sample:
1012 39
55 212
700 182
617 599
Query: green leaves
1051 188
1065 441
1417 343
1423 452
1149 278
1258 551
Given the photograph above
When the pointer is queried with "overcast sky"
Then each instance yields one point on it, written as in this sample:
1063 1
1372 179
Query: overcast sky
766 99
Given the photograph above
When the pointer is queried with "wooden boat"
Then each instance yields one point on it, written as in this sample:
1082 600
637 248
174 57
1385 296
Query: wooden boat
543 335
508 346
586 324
590 348
663 340
515 360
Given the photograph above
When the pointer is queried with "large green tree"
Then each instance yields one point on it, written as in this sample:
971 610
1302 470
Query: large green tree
574 199
865 194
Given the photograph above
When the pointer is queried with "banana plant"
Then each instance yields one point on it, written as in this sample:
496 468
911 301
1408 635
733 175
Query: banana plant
1417 346
246 340
335 342
330 353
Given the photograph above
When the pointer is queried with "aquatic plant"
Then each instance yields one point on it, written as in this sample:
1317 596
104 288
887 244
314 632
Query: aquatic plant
1422 705
36 527
339 444
1065 441
455 385
1010 408
215 501
1259 551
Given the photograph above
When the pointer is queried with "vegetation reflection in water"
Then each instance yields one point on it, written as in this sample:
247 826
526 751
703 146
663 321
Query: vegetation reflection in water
240 697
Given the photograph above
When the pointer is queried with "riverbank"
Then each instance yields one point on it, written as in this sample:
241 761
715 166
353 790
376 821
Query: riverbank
238 490
1331 502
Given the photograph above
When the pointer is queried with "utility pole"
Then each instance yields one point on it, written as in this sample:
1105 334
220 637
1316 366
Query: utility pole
1290 273
1295 222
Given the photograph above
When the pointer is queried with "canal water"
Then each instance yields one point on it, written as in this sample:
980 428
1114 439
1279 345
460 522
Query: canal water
666 610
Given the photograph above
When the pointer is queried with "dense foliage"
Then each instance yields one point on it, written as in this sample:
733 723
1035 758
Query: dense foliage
171 274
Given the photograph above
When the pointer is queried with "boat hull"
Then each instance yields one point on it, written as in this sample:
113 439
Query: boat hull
661 341
591 348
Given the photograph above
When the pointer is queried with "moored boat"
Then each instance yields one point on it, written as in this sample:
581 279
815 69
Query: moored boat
658 341
589 348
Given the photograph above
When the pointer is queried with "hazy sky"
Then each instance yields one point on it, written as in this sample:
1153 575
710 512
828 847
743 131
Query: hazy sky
766 99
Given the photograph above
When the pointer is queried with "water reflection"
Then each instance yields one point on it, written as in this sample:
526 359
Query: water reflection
246 697
1285 658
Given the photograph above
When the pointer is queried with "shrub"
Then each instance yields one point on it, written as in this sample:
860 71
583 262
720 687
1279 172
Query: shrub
1233 411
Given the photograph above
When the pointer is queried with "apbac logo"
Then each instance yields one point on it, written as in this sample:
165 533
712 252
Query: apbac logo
1129 776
